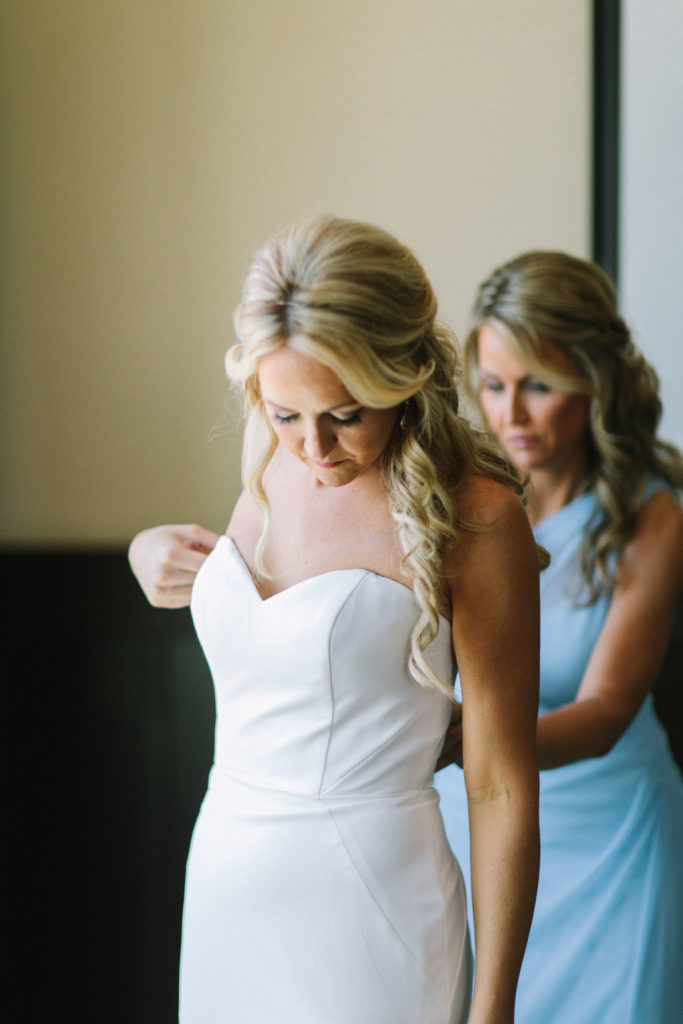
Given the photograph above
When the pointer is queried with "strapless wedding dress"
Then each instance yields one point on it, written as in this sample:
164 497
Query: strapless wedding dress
320 886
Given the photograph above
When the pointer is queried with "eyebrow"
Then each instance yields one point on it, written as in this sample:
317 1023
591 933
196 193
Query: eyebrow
494 376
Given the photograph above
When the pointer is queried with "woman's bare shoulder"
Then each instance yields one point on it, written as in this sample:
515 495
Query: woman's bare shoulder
485 502
663 511
656 543
246 521
494 532
492 569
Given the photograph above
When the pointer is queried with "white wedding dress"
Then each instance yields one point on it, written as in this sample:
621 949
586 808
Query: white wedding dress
320 886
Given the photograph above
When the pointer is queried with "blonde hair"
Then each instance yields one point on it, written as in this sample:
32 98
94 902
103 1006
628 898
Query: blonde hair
354 298
542 299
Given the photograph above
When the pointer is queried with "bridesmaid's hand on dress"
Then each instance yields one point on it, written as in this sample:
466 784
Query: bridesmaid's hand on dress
166 559
451 752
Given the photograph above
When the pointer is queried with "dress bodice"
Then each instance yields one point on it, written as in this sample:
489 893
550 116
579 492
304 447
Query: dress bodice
312 688
569 627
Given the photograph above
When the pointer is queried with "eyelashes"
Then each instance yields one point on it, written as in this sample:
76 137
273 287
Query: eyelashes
531 385
347 421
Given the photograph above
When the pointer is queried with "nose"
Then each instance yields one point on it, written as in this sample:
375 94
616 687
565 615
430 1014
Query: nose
319 440
515 408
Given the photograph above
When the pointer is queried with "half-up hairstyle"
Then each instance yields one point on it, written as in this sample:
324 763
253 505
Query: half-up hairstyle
545 302
351 296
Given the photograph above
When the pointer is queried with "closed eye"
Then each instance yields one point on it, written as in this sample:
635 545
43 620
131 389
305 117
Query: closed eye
340 421
532 384
529 384
346 421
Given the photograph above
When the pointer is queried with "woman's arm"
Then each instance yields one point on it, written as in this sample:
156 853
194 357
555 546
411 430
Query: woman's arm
166 559
631 647
494 594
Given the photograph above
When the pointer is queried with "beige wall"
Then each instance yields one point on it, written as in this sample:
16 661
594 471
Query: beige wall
150 146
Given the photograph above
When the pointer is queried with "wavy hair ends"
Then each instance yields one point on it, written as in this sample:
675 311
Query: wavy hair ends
547 302
353 297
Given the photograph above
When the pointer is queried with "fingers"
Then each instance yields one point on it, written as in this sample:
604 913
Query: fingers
175 559
182 551
201 539
165 560
451 752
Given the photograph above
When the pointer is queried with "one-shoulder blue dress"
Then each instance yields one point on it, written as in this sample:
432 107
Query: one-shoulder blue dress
606 942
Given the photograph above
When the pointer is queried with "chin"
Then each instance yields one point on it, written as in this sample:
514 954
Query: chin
337 476
525 459
332 478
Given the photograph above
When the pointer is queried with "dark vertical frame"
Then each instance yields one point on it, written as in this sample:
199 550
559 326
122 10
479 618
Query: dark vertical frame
605 197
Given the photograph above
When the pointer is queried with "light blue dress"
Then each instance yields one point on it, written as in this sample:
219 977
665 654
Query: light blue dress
606 943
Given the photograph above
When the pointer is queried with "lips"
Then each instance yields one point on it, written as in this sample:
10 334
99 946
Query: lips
520 442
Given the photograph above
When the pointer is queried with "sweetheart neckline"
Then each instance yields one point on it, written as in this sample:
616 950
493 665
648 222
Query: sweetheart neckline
317 576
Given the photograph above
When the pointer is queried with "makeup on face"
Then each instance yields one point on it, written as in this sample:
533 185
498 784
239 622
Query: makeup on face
317 420
540 426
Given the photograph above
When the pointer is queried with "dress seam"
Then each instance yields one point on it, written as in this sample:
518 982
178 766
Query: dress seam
330 674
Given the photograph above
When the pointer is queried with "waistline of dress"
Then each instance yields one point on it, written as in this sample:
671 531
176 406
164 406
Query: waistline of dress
266 787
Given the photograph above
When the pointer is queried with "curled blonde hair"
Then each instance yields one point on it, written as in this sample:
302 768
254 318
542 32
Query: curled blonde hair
549 302
351 296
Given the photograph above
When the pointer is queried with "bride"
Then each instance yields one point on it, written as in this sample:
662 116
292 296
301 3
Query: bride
378 542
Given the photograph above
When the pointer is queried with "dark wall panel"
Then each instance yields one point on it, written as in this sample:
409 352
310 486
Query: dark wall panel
107 722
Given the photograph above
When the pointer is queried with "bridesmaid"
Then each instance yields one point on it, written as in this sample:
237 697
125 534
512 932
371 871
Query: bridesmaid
553 371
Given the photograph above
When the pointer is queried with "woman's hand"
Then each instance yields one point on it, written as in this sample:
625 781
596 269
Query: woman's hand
166 559
451 752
